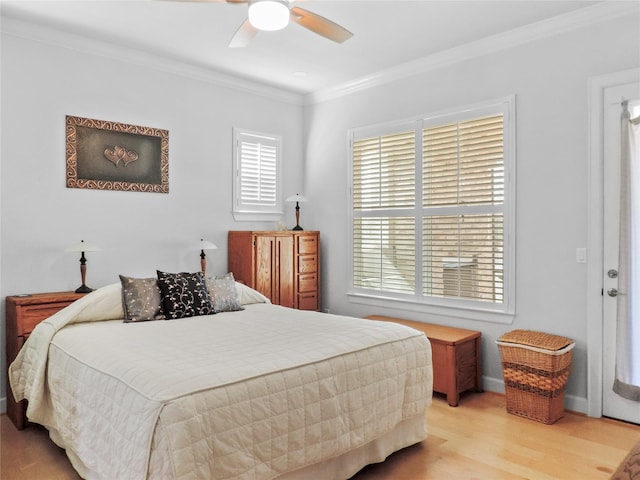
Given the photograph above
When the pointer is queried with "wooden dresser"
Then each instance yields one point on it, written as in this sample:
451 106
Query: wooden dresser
24 312
282 265
456 357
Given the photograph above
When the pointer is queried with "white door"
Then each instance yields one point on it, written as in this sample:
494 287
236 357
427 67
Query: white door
614 405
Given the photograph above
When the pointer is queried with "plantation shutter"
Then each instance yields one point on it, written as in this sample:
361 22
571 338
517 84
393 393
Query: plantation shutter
383 188
384 172
433 211
463 209
257 167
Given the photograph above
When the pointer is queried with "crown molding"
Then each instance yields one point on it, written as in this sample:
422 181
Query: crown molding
601 12
585 17
49 35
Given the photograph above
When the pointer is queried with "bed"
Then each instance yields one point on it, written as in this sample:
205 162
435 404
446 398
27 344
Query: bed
264 392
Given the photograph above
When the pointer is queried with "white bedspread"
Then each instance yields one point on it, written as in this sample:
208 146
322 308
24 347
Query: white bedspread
210 397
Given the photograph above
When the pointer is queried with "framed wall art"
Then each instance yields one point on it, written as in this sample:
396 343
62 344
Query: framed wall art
104 155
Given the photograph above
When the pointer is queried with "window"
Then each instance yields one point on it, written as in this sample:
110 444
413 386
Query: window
257 166
432 210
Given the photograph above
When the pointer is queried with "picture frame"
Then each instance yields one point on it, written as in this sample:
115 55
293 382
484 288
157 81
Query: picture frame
104 155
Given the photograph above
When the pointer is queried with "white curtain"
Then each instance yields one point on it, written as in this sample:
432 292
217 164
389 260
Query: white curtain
627 381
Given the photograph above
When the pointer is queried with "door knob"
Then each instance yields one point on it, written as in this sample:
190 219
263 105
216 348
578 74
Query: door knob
612 292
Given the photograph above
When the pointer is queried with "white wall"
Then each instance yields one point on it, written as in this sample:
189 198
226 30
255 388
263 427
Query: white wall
138 232
550 79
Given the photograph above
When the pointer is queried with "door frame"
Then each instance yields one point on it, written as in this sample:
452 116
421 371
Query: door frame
595 225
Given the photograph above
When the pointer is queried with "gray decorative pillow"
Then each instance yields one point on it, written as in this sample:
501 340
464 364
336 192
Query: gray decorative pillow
224 295
141 299
184 294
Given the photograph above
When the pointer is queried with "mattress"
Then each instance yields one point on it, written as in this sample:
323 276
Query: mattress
256 394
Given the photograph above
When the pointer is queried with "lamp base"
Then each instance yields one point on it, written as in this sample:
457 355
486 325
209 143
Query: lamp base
297 227
84 289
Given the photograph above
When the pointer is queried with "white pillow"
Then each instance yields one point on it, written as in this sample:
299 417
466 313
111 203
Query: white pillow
247 295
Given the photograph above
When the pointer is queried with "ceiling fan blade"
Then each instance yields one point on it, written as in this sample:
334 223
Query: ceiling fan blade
320 25
243 35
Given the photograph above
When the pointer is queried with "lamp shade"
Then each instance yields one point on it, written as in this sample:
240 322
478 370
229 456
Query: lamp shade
206 245
296 198
83 246
269 15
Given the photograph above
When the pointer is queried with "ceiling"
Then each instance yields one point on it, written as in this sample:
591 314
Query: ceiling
386 33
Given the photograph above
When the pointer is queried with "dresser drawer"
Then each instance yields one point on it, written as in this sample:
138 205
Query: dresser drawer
307 244
308 301
307 264
31 315
308 283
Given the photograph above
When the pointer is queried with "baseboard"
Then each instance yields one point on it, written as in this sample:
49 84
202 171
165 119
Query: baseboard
576 404
493 384
571 402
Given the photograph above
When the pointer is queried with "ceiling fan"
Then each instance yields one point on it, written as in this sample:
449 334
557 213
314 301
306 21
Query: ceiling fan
271 15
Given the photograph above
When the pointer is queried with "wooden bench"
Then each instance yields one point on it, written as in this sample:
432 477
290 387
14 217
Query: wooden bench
456 357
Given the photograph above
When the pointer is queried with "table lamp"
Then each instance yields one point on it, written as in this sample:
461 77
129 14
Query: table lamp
298 199
202 246
83 247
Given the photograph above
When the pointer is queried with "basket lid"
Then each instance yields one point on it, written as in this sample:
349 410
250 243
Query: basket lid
532 338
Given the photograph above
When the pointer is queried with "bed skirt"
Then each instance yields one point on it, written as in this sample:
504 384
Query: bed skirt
405 434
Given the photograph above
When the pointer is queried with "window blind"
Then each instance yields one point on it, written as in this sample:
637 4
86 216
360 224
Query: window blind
463 256
441 238
384 172
257 168
384 253
463 171
464 163
383 179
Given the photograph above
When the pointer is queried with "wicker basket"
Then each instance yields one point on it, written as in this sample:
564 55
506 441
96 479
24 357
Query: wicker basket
536 367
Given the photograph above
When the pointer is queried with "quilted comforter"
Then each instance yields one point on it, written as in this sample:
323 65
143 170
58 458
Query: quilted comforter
239 395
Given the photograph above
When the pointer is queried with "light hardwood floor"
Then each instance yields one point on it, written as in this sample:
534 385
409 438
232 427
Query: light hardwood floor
477 440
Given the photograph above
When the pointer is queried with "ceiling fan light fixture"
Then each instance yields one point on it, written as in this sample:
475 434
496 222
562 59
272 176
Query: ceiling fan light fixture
269 15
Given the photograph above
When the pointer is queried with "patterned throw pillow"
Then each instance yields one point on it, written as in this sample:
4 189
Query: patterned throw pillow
184 294
141 299
224 295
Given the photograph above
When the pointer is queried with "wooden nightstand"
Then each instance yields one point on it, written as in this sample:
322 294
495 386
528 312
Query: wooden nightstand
456 357
24 312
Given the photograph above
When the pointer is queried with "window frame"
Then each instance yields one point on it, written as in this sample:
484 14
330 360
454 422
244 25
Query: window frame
241 211
447 306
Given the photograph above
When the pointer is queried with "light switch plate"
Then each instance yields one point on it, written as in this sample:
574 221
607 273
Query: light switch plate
581 255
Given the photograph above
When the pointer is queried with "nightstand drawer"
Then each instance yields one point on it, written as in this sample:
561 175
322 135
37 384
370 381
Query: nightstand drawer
31 315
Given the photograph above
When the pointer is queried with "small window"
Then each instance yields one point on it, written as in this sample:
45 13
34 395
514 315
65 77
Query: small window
257 166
